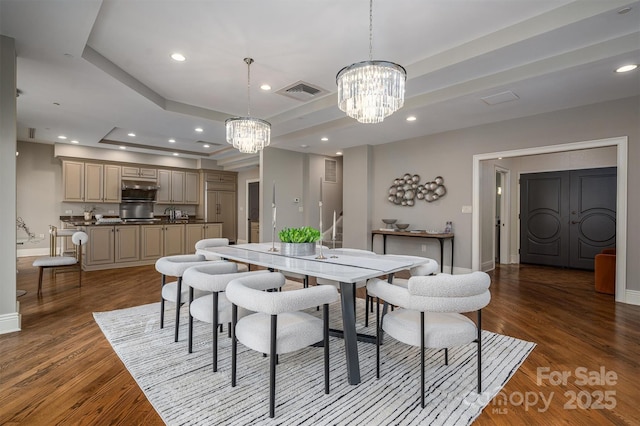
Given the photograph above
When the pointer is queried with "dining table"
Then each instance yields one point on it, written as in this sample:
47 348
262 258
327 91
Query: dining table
332 264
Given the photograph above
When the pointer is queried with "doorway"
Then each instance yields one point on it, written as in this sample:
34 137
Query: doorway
502 219
621 144
253 211
567 217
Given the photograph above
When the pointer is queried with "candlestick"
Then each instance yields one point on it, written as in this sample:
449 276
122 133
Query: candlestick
320 256
333 234
273 220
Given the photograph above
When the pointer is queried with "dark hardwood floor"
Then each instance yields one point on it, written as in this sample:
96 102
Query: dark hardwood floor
61 370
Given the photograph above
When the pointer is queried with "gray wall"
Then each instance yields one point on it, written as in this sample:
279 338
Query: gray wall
296 175
450 155
9 316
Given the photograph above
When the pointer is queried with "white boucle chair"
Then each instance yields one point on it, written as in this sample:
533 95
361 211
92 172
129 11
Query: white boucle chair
359 284
73 262
174 266
211 306
430 314
278 327
431 267
215 242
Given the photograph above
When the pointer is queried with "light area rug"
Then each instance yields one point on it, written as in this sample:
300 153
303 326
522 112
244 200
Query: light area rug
184 390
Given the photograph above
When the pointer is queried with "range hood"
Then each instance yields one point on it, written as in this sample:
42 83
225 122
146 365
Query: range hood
141 185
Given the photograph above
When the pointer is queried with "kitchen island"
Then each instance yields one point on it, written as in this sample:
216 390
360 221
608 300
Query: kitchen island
139 242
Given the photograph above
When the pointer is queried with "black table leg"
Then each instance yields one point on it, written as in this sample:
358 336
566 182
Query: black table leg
347 293
441 241
451 255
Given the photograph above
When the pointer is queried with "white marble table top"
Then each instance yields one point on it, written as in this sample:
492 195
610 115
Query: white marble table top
346 267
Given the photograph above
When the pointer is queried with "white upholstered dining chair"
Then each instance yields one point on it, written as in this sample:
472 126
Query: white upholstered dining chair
63 262
202 245
430 314
278 326
174 266
210 305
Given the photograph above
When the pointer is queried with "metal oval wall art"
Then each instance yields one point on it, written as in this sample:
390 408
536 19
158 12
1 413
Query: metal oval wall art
406 189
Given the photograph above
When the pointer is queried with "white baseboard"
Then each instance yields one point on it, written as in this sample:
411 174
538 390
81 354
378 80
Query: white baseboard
456 270
515 258
487 266
10 323
239 241
632 297
43 251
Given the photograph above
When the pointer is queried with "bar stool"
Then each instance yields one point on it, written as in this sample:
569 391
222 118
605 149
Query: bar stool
174 266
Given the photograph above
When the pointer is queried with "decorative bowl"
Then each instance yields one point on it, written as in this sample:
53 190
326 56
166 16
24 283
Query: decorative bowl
402 226
389 221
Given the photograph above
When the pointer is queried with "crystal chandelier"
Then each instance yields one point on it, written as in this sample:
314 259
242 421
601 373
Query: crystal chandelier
247 134
371 90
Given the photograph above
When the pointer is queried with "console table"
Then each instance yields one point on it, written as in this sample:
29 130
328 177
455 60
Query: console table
439 237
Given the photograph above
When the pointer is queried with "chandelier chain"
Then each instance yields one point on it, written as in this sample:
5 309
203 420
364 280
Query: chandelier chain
248 61
371 30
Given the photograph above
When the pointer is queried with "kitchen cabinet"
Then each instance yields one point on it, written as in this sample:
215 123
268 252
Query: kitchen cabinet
161 240
197 232
139 172
191 188
111 245
221 207
99 249
177 187
90 182
102 183
73 181
127 243
221 176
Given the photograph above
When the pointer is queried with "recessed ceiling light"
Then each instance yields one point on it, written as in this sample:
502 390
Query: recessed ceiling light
627 68
176 154
123 147
131 134
199 129
624 10
324 139
411 118
265 87
74 141
172 141
304 146
206 146
62 137
178 57
339 153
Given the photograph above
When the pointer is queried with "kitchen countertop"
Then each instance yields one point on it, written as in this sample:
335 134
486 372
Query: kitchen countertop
79 221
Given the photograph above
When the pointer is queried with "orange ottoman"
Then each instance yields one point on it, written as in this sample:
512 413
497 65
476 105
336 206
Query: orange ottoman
605 271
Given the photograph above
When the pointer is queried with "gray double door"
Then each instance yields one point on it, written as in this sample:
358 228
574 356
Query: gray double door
567 217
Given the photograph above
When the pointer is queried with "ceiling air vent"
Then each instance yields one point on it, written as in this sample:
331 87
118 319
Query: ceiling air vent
302 91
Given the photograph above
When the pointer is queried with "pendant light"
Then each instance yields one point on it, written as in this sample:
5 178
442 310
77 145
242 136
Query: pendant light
248 135
371 90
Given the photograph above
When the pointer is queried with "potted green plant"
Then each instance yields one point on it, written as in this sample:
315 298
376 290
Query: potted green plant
299 241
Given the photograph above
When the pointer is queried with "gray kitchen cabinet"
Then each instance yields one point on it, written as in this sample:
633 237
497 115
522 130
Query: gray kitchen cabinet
133 172
196 232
